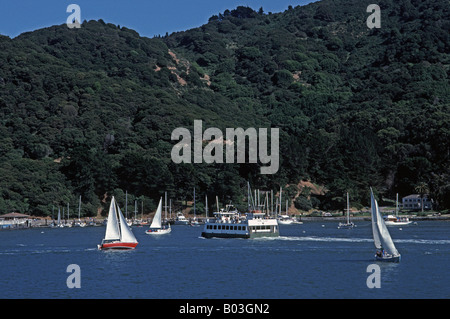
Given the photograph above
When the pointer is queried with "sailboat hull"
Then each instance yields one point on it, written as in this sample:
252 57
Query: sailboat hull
117 245
392 259
158 231
346 226
392 223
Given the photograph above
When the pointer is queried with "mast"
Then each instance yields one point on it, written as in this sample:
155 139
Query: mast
217 203
135 209
79 208
396 205
206 206
259 203
281 192
126 204
194 204
348 211
249 197
165 205
271 199
276 205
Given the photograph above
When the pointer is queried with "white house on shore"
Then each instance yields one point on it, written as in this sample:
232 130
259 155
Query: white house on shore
414 202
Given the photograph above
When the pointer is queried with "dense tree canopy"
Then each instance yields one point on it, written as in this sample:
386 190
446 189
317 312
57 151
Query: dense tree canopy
90 111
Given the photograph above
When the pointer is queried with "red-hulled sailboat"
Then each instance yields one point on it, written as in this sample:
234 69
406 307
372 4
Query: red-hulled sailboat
118 235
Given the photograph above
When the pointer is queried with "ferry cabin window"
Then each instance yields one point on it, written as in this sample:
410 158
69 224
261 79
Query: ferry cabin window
260 227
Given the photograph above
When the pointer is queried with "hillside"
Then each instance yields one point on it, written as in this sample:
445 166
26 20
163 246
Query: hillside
90 111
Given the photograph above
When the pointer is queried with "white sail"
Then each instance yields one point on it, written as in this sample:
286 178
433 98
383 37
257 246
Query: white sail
112 226
126 235
385 237
156 222
373 210
381 235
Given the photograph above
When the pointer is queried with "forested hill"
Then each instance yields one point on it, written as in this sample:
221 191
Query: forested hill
90 111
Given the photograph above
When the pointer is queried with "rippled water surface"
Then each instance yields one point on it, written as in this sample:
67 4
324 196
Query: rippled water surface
312 260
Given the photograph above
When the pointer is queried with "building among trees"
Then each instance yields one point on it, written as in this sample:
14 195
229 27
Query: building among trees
416 202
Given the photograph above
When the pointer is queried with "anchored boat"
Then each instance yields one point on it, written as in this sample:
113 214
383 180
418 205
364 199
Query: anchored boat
181 220
392 220
348 224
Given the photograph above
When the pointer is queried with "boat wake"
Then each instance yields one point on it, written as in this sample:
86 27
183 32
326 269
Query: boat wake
315 238
355 240
424 241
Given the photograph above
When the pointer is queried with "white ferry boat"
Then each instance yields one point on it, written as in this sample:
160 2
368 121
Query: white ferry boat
230 224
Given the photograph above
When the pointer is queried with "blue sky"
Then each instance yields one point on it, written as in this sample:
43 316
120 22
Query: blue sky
148 17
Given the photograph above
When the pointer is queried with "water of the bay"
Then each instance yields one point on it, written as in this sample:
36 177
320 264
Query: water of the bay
311 260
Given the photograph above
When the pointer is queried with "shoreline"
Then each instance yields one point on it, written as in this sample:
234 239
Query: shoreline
41 223
367 218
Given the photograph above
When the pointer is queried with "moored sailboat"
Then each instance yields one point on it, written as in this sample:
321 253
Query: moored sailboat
348 224
118 235
194 222
386 250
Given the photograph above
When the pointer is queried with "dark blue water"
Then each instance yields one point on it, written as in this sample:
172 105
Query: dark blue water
313 260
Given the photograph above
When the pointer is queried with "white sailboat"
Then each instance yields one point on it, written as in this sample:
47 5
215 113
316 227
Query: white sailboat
68 223
156 228
348 224
284 219
79 223
118 235
59 223
391 220
386 250
194 222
